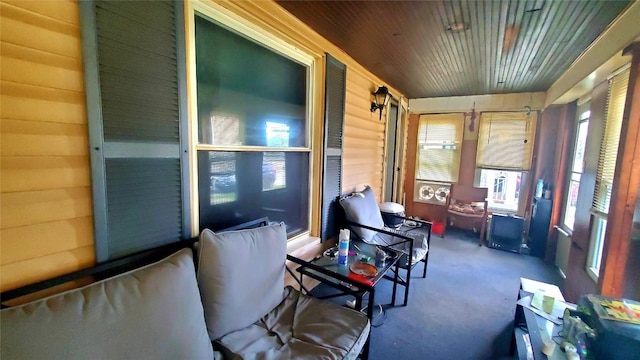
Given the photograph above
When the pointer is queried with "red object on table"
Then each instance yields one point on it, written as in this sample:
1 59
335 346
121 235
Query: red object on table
360 278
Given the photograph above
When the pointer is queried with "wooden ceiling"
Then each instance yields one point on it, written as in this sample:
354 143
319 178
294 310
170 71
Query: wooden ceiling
452 48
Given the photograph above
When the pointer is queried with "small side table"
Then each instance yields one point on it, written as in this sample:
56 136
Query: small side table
527 337
533 286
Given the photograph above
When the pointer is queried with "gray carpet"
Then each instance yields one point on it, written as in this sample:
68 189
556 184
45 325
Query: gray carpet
463 309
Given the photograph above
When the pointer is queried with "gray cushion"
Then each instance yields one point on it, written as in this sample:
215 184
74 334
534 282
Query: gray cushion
362 208
241 276
150 313
300 327
420 245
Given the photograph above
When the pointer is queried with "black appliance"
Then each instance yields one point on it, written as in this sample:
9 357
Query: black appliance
539 226
506 232
615 339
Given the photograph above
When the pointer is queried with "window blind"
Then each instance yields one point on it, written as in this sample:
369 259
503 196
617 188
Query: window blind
610 140
439 147
505 141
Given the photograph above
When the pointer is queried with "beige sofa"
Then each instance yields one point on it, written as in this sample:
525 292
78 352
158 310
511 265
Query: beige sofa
233 307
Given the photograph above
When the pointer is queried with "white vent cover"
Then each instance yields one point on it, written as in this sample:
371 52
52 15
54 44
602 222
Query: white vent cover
431 192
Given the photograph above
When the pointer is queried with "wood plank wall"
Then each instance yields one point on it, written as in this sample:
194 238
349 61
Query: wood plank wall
363 146
46 214
46 208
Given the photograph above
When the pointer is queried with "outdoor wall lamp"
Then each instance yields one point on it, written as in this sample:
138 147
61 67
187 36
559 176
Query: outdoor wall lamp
382 98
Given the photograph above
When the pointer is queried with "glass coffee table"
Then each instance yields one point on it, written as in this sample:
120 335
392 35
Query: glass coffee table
326 270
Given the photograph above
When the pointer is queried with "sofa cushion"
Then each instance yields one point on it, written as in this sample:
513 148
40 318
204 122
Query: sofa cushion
362 208
241 276
153 312
300 327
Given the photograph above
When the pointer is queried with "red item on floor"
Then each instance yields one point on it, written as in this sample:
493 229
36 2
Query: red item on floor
437 227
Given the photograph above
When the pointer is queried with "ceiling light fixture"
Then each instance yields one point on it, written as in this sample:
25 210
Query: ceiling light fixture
382 97
457 27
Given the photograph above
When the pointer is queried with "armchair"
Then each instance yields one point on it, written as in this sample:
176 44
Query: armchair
250 316
467 202
362 216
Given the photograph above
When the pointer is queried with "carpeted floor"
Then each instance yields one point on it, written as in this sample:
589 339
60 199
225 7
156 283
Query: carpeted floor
463 309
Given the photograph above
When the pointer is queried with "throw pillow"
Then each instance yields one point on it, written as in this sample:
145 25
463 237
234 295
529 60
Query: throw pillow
241 276
362 208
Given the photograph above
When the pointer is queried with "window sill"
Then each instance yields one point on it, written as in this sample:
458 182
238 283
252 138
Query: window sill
299 244
593 274
565 231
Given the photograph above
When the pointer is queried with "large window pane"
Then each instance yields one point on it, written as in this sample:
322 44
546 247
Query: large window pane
597 243
576 171
570 212
581 143
248 95
241 186
504 189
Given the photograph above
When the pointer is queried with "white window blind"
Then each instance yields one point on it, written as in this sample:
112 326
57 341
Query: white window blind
505 140
610 140
439 147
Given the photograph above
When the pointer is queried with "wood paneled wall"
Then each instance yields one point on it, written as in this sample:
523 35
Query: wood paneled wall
363 147
46 215
552 154
46 207
621 255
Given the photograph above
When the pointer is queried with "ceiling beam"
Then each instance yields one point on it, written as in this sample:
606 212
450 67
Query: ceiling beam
614 39
495 102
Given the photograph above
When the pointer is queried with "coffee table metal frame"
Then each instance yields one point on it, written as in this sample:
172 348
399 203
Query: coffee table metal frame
328 271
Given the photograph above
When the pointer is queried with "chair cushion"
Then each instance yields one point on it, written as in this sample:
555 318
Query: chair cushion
153 312
362 208
241 276
420 244
468 209
300 327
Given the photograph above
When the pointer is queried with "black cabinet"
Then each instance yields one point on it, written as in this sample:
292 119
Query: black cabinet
539 226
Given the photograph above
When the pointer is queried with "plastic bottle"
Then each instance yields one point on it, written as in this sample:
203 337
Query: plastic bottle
539 188
343 246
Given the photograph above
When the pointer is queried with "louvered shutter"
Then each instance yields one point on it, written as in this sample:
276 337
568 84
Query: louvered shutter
335 85
135 132
610 141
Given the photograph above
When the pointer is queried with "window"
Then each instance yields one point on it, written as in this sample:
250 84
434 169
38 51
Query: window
253 152
595 247
504 188
439 147
577 167
504 157
606 169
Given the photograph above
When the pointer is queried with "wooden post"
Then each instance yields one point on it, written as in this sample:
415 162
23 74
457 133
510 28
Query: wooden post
615 275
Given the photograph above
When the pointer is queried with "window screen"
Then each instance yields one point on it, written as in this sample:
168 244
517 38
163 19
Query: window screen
253 151
439 147
505 141
609 145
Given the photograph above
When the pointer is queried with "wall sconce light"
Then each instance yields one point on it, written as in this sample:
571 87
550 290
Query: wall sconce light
382 98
